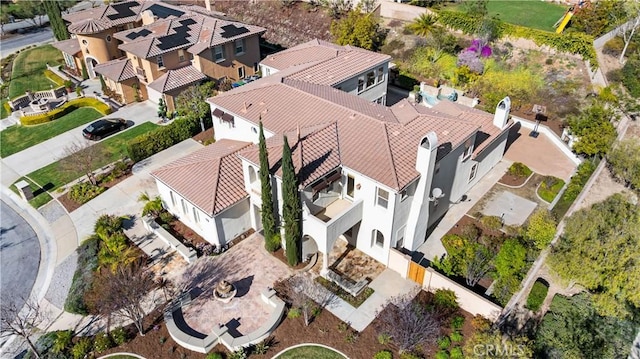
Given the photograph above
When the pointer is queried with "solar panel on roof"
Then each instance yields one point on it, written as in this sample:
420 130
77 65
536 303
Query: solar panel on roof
179 38
123 10
164 12
232 30
136 34
188 22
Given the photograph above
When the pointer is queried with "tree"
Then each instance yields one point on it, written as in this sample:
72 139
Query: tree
83 157
628 29
268 218
152 207
162 109
573 329
124 290
424 25
5 16
307 295
358 29
408 323
509 263
600 250
624 161
85 74
193 100
541 228
31 11
290 206
465 257
23 322
53 10
594 130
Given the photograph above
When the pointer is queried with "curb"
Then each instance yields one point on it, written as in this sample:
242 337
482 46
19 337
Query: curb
310 345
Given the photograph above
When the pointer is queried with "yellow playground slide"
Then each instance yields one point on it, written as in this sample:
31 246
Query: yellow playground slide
564 22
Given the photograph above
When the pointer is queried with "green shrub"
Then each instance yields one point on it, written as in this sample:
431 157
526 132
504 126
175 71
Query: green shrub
407 355
274 243
444 342
455 337
119 336
456 353
53 77
102 342
262 347
445 299
492 222
457 323
549 188
62 341
384 339
84 192
383 354
536 296
582 175
294 313
214 355
442 354
83 276
631 75
67 108
238 354
519 169
81 348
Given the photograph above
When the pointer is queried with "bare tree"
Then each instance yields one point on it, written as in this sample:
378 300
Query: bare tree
82 157
477 264
23 322
628 29
123 292
408 323
304 293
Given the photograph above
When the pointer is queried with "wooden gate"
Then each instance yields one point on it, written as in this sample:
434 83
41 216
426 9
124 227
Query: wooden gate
416 272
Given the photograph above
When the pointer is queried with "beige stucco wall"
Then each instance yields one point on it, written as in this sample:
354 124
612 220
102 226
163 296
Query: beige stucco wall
99 48
399 262
229 67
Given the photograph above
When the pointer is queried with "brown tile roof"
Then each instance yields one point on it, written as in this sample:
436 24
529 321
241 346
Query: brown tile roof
309 52
210 178
71 46
89 26
342 67
116 70
112 14
216 31
175 79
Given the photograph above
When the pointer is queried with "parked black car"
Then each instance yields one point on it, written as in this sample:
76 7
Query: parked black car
103 128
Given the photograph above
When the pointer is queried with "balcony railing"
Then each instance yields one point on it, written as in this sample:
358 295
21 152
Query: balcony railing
141 74
331 221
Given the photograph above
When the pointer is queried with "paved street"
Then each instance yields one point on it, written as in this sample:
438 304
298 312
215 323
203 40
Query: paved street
42 154
19 257
19 41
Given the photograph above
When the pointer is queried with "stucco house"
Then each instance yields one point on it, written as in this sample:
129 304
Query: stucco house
374 176
152 50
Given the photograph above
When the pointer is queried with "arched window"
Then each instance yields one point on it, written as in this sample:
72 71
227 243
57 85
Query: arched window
377 238
253 176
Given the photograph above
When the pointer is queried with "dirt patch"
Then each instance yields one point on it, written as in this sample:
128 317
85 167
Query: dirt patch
282 257
512 180
466 221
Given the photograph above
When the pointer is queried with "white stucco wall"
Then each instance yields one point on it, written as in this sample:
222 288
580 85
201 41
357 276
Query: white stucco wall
233 221
154 96
377 90
242 129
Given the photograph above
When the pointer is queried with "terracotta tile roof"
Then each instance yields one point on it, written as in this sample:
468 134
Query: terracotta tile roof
116 70
216 31
342 67
312 51
175 79
210 178
89 26
112 14
71 46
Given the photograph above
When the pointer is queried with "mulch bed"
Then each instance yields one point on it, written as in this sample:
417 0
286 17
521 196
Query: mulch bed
283 258
204 136
466 220
71 205
512 180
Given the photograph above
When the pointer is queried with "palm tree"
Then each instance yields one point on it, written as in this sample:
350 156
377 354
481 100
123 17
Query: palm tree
151 206
423 25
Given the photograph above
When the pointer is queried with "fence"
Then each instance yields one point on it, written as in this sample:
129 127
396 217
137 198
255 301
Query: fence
599 42
551 136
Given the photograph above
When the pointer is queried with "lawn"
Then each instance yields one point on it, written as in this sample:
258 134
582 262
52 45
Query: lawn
52 178
28 70
549 188
540 15
41 197
17 138
537 296
310 352
4 113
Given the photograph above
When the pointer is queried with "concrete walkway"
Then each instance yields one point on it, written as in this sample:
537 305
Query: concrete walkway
433 247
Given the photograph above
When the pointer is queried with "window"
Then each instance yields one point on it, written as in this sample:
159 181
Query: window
371 79
382 199
181 55
119 28
377 238
184 206
160 61
241 73
350 185
437 167
68 59
108 38
404 194
84 42
239 47
400 237
474 170
253 176
255 67
173 199
218 53
360 84
380 74
468 148
196 216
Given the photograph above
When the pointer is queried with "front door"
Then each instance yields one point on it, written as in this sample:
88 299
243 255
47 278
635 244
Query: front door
416 272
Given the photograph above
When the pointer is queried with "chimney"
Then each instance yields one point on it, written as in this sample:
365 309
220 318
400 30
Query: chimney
501 116
147 17
207 4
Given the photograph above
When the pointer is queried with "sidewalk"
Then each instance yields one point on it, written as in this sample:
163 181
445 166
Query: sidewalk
433 247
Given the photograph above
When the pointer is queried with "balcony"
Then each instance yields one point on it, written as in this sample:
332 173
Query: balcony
326 224
326 214
141 74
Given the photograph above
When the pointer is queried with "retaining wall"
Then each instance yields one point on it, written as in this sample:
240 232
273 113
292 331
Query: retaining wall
187 253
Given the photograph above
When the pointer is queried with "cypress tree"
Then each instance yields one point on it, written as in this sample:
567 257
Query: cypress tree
290 206
85 74
58 27
268 221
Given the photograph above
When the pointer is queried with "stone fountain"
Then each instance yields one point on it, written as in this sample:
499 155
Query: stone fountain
40 105
224 291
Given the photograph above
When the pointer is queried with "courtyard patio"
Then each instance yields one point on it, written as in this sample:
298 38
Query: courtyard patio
250 269
351 263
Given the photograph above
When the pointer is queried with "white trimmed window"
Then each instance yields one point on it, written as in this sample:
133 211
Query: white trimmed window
185 210
218 53
181 55
173 198
241 72
473 172
360 84
380 74
196 216
382 198
377 238
468 149
239 47
160 61
371 79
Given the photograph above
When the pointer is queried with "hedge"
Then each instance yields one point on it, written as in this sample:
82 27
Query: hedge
162 138
572 42
536 296
83 276
68 107
53 77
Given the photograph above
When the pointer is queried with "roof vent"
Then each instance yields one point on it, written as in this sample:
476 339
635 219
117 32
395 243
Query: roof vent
353 116
261 103
264 112
445 132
